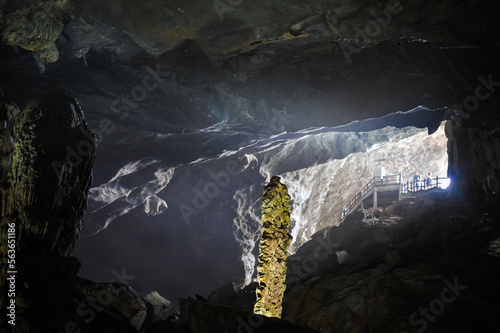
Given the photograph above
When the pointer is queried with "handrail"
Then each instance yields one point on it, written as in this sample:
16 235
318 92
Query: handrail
385 181
409 186
423 184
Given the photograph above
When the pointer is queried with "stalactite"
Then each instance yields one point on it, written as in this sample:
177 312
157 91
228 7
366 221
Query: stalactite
271 270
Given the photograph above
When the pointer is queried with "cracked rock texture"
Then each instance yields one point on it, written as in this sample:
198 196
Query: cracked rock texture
271 269
222 27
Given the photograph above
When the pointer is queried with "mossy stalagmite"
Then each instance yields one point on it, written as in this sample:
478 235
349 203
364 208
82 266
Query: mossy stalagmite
271 270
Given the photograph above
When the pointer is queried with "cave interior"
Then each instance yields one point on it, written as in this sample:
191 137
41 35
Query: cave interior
138 136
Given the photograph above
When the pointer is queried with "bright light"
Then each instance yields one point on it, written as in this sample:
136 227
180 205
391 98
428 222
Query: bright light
444 183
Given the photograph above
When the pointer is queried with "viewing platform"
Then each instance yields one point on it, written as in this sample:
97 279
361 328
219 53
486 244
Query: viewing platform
382 190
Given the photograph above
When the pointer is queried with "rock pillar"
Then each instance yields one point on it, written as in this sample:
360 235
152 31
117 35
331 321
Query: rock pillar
46 154
271 270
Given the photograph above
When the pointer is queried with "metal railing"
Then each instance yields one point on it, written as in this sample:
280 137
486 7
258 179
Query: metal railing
424 184
375 181
409 186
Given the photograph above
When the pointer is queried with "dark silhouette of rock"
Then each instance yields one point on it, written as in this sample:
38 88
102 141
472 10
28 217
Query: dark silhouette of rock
48 153
204 317
425 269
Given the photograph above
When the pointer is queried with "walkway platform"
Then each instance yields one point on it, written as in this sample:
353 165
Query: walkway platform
382 192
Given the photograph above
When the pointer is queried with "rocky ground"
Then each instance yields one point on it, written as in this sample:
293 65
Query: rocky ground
423 264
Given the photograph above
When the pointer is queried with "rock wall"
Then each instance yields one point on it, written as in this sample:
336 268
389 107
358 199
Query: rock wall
47 154
425 264
474 161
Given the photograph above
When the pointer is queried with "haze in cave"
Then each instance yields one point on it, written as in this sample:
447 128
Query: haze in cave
138 137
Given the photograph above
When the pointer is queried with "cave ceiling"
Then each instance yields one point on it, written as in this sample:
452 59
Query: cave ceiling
316 59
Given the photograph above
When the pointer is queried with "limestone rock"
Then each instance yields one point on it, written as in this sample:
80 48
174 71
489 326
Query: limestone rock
7 113
271 270
120 298
36 28
400 267
161 306
47 153
51 174
474 161
205 317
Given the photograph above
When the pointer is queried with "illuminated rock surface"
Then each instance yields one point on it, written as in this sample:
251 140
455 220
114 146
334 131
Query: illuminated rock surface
196 104
273 246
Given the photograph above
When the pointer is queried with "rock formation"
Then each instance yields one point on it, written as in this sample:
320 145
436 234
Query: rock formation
47 157
404 268
424 264
271 270
474 153
204 317
36 28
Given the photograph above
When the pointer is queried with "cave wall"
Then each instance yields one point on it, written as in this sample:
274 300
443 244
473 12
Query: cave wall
47 158
307 63
474 162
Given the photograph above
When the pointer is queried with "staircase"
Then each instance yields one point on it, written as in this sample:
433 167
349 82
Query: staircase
382 191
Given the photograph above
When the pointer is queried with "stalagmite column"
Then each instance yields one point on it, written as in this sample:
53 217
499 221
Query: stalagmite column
271 270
